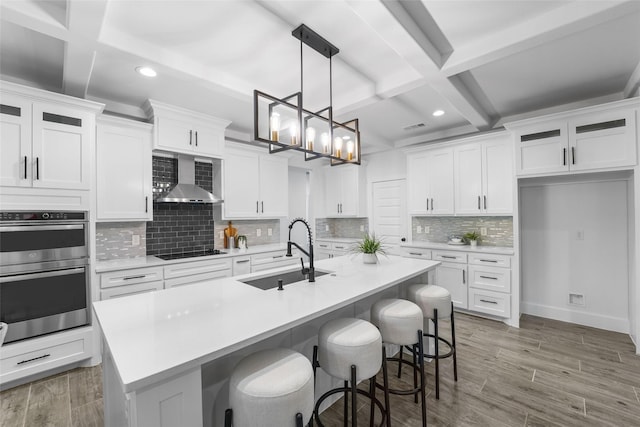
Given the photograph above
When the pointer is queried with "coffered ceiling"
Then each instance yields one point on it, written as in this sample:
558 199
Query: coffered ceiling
482 62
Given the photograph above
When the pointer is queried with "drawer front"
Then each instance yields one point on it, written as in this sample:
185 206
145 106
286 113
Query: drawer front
322 246
492 279
130 277
123 291
490 260
190 268
268 257
241 265
494 303
277 263
340 247
195 278
449 256
416 253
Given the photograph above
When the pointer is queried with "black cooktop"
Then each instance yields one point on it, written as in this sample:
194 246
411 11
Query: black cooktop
207 252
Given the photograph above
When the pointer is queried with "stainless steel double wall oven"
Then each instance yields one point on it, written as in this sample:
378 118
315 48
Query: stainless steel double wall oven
44 273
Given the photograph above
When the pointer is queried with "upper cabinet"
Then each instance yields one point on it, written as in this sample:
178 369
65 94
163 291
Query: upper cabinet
255 184
484 176
46 142
589 139
184 131
345 191
430 182
124 188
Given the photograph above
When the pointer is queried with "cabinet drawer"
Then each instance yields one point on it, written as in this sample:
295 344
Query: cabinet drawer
21 359
137 288
490 260
268 257
340 247
195 278
130 277
416 253
494 303
322 245
490 278
449 256
198 267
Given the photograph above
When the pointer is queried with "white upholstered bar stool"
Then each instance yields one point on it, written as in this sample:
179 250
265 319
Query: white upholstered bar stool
271 388
350 350
435 302
400 322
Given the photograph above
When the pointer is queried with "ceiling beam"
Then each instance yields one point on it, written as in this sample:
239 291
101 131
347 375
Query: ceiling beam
84 20
29 15
633 84
568 19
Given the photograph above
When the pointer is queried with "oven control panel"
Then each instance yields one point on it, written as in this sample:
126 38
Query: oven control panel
42 216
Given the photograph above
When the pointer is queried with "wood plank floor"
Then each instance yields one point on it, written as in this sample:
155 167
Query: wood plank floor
547 373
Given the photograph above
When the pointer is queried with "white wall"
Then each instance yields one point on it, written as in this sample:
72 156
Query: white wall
556 260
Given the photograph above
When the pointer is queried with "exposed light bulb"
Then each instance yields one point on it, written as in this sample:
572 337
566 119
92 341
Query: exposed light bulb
293 130
324 139
349 150
311 136
274 122
337 144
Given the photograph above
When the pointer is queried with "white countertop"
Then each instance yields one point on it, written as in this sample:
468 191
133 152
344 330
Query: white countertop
152 261
156 335
501 250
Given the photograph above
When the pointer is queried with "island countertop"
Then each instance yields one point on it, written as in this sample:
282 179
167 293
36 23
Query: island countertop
154 336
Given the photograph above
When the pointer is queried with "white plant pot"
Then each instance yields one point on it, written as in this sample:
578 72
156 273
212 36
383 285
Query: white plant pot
473 243
369 258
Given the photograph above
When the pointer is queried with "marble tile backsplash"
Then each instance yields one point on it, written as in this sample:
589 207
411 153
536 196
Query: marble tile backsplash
499 229
250 228
341 227
114 240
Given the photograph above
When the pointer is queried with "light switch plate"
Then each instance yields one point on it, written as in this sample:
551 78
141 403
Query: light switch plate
221 235
362 228
419 229
135 240
483 231
427 229
269 232
258 232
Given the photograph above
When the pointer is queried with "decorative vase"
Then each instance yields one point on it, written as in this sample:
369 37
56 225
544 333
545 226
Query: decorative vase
473 243
369 258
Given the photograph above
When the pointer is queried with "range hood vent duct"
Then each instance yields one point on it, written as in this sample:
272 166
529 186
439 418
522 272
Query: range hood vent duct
185 191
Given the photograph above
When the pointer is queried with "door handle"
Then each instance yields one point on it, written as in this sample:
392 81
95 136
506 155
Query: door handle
490 302
478 202
485 201
257 211
190 137
448 256
573 155
488 260
25 167
564 157
146 204
431 204
464 277
427 203
196 138
262 204
489 277
37 167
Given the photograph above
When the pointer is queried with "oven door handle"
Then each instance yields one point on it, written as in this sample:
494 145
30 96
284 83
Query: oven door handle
43 227
55 273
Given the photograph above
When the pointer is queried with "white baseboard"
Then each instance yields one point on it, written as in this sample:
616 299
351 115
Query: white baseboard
609 323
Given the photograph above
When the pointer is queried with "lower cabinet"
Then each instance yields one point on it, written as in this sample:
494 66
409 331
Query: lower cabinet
327 249
186 273
453 277
130 282
275 259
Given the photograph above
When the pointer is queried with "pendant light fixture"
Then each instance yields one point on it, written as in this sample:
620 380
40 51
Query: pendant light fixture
284 124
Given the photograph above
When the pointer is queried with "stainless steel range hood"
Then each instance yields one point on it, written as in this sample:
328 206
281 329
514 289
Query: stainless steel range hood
185 191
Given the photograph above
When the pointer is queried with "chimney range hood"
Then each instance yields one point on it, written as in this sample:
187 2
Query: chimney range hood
185 191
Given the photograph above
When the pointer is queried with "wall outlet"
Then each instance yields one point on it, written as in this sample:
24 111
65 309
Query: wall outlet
258 232
576 299
221 235
135 240
427 229
419 229
269 232
362 228
483 231
580 235
326 227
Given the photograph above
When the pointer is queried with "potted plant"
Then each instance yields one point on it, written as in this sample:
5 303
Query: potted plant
472 237
369 247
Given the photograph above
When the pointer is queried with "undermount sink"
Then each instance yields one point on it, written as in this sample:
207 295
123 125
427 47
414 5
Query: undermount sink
288 277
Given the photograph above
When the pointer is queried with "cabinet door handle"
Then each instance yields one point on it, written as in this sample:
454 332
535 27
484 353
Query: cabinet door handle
262 205
37 167
257 211
447 256
277 256
242 261
25 167
427 204
488 260
564 157
490 302
196 138
146 204
464 277
31 360
573 155
190 137
134 277
489 277
432 205
478 202
415 253
485 201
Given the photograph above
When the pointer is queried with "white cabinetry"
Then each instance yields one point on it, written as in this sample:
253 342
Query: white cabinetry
345 191
452 275
185 131
430 182
273 259
592 138
130 282
46 139
186 273
255 185
484 176
325 249
123 181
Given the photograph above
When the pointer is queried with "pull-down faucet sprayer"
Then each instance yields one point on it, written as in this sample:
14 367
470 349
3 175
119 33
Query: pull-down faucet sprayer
311 270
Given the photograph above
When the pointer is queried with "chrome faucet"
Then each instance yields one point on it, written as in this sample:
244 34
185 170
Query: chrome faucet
311 270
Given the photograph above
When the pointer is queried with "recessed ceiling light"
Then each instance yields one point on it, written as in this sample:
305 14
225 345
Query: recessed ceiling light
438 113
147 71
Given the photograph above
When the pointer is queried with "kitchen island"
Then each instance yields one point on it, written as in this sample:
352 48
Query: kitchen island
164 351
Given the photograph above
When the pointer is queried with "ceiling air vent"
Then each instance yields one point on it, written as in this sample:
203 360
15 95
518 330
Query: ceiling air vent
414 127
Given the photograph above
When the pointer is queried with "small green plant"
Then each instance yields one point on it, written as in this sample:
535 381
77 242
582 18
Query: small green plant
472 235
369 245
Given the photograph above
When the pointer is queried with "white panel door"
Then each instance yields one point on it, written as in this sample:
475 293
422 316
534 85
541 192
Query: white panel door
468 179
241 185
440 183
390 211
61 150
497 177
417 189
15 150
274 185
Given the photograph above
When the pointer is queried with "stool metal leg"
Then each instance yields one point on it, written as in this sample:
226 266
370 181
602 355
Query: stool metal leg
400 362
346 403
414 352
299 422
354 398
422 380
437 354
228 416
453 343
385 381
372 392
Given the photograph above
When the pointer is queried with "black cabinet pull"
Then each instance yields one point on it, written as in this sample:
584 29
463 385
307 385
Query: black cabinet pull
564 157
190 137
427 203
478 202
448 256
277 256
489 277
31 360
262 204
196 138
573 155
488 260
485 201
415 253
134 277
25 167
257 204
487 301
146 204
464 277
242 261
37 167
432 205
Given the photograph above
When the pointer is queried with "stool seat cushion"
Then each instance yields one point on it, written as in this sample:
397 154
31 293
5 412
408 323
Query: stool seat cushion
346 342
269 387
430 297
398 320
